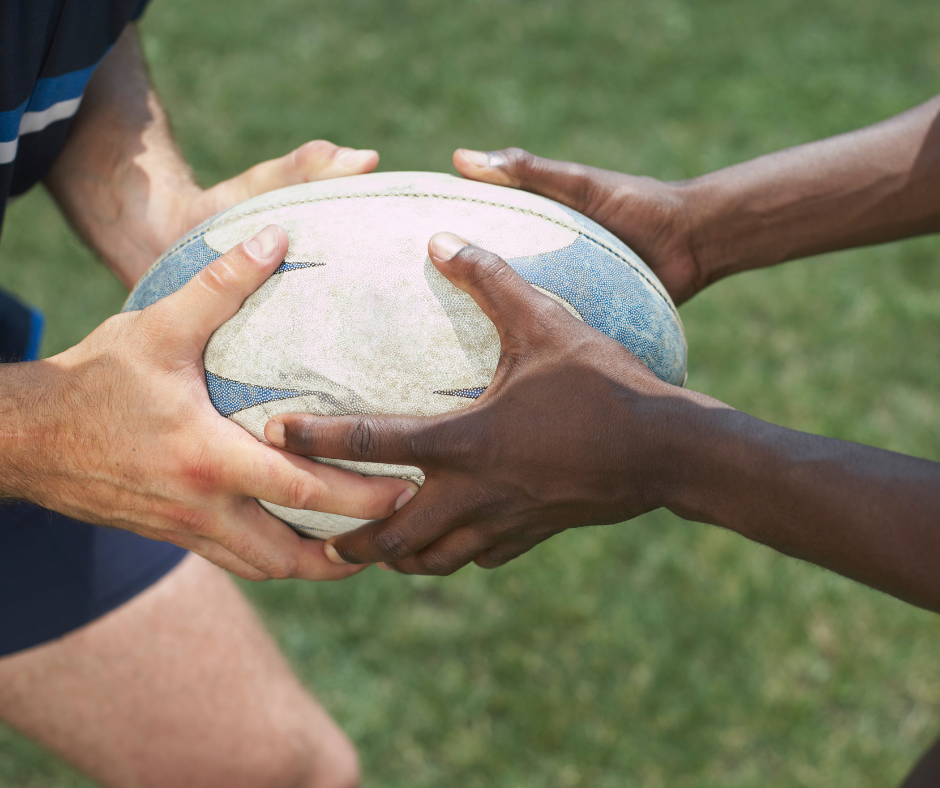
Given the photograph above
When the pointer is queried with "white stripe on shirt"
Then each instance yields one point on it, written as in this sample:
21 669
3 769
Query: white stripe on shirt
8 151
32 122
37 121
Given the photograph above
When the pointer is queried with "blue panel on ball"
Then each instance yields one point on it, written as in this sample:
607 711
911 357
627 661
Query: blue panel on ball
180 265
468 393
175 270
606 237
283 268
613 297
230 396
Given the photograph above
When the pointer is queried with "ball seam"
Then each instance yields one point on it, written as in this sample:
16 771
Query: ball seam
528 211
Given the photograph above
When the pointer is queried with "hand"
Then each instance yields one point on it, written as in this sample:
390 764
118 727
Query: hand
120 431
318 160
653 218
573 430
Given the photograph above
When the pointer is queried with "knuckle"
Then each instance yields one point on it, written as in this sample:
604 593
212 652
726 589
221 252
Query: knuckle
482 266
583 184
318 149
312 156
274 564
202 470
391 545
218 277
498 556
518 160
487 561
252 574
437 563
282 568
304 492
361 440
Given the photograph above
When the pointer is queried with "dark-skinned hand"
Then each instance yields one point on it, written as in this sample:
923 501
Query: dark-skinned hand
652 217
579 441
574 429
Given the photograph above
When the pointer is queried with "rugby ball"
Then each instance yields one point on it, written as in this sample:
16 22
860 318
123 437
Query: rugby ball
358 320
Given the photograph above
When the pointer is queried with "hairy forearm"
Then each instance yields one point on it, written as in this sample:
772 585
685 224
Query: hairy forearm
874 185
866 513
121 179
26 392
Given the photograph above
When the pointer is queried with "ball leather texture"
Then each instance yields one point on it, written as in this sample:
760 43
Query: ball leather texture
357 320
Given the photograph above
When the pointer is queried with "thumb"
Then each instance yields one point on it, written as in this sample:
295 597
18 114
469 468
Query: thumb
575 185
314 161
217 292
508 300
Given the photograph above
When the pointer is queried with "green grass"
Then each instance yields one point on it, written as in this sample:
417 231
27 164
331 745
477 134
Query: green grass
657 653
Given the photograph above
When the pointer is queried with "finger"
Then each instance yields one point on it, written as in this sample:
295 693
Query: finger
216 293
452 551
432 513
273 548
219 556
574 185
503 553
315 161
279 477
397 440
511 303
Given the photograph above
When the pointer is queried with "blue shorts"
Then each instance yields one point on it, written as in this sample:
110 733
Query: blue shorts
57 574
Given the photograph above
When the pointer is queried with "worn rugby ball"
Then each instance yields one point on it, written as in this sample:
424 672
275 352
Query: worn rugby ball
358 320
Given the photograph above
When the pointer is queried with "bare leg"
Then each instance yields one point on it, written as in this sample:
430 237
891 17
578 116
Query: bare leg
927 772
182 687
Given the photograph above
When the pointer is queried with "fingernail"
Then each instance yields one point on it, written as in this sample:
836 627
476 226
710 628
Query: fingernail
406 496
446 245
354 158
384 567
495 159
476 158
275 433
332 554
263 246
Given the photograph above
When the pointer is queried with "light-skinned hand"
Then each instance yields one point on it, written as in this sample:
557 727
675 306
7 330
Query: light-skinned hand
318 160
120 432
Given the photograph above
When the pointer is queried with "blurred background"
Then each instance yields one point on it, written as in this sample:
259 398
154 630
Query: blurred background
656 653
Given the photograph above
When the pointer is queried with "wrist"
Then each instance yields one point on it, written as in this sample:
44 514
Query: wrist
679 431
704 453
729 231
729 463
28 392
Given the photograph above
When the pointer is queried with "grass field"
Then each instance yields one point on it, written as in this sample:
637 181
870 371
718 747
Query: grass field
657 653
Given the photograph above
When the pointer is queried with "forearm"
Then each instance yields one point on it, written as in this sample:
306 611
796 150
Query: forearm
874 185
121 179
866 513
26 390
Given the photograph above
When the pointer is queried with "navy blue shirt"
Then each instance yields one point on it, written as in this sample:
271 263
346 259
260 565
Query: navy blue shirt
48 52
